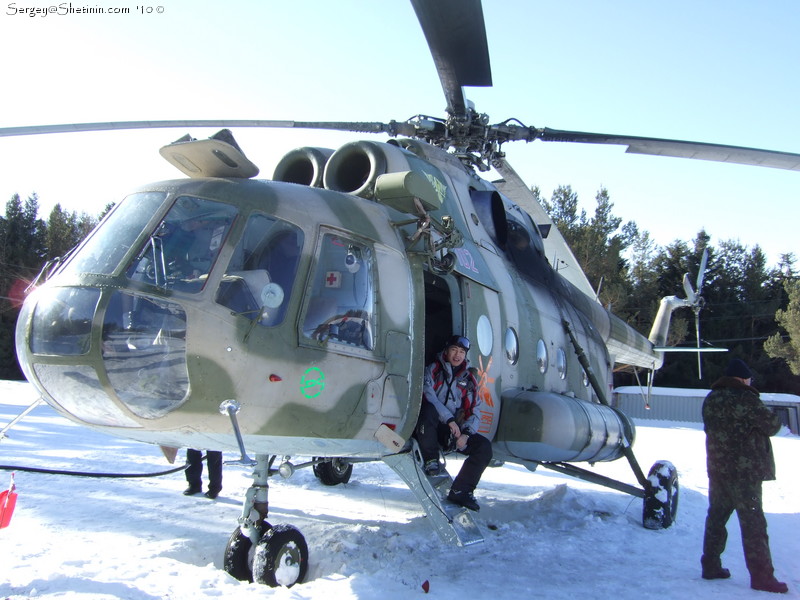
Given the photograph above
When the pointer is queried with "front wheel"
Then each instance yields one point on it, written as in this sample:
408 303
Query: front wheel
239 554
661 499
281 557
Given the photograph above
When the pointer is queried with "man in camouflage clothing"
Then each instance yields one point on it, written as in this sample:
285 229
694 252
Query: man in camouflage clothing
739 457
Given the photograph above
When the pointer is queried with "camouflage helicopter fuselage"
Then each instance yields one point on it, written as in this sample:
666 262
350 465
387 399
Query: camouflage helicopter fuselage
315 300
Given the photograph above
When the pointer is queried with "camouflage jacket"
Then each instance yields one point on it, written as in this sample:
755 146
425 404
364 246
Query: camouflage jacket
738 427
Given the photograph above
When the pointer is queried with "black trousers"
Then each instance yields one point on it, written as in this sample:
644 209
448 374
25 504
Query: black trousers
194 472
724 496
431 434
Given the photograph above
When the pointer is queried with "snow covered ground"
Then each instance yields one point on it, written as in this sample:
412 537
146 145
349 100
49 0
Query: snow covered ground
547 536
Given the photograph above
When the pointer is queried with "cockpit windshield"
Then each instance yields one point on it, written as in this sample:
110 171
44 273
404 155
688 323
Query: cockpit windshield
101 254
180 252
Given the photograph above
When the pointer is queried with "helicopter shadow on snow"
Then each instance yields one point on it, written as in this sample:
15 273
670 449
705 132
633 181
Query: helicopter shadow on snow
374 509
374 504
67 583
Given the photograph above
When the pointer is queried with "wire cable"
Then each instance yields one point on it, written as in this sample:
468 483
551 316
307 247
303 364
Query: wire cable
96 475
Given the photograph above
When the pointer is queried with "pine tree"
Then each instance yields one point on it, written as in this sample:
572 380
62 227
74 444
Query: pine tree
788 347
597 242
22 242
65 230
563 209
60 225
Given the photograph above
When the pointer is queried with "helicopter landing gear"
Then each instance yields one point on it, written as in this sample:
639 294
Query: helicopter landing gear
281 557
239 553
333 471
257 551
661 499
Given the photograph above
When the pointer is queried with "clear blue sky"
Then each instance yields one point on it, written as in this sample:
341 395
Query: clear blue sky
713 71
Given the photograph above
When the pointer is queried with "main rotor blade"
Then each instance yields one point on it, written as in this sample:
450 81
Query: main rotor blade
392 128
679 149
456 36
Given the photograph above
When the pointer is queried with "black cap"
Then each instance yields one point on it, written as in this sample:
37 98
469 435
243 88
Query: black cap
738 368
458 340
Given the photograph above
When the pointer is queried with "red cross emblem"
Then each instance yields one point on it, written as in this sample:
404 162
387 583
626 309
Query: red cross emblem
333 279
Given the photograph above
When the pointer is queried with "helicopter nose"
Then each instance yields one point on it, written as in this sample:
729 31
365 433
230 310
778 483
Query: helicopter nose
96 352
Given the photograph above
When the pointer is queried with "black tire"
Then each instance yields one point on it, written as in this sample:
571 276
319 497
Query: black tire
239 554
281 557
661 500
333 471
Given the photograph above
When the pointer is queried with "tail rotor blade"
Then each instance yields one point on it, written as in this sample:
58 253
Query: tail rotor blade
701 273
687 287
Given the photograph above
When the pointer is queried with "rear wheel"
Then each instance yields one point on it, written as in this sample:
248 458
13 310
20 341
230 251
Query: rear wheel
661 499
333 471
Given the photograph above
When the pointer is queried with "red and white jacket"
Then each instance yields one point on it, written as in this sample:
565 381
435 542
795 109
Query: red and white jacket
453 394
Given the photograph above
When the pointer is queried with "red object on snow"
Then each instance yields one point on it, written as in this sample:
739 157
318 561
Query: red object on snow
8 499
426 586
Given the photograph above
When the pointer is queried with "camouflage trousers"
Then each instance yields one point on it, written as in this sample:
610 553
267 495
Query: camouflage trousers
724 496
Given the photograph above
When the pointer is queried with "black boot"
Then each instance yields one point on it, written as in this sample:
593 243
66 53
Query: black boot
463 498
713 569
716 573
768 584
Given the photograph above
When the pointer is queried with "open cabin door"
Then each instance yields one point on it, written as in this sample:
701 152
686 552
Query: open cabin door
443 312
458 305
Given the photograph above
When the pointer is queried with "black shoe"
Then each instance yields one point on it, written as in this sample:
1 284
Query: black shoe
465 499
212 494
192 490
432 467
769 585
716 573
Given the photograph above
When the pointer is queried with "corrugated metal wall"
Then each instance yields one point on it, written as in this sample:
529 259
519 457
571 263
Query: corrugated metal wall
685 405
666 404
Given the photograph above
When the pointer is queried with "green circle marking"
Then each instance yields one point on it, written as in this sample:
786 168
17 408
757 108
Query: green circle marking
312 382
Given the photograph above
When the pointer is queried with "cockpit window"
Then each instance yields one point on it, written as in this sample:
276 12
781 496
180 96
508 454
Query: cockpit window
62 321
179 254
259 279
341 307
144 353
105 248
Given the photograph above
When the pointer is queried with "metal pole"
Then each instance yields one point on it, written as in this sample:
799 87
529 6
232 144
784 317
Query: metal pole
626 449
19 417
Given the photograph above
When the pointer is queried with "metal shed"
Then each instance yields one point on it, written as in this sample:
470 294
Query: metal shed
685 405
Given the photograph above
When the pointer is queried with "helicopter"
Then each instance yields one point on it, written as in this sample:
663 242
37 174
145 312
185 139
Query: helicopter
294 316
